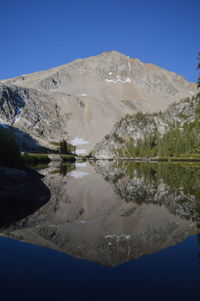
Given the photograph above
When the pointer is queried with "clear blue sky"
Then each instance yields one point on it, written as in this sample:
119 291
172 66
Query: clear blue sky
40 34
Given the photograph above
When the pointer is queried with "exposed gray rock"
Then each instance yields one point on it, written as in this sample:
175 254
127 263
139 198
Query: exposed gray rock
55 157
81 101
31 112
139 126
155 183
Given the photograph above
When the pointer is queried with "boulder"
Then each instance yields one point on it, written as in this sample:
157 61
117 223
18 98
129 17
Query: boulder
55 157
21 193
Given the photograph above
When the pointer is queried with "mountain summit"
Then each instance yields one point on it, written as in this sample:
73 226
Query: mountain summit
82 100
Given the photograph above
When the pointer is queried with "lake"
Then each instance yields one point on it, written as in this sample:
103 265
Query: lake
111 230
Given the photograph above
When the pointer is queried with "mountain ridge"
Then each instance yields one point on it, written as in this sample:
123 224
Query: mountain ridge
90 95
92 57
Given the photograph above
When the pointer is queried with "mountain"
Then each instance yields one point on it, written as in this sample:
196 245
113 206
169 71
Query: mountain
82 100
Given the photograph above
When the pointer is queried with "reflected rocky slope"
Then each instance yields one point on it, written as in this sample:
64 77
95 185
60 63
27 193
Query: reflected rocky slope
113 211
176 186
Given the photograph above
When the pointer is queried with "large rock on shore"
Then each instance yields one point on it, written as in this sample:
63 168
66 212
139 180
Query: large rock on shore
21 193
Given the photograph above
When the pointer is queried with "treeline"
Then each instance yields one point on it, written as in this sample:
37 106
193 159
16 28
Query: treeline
64 147
10 155
175 142
176 176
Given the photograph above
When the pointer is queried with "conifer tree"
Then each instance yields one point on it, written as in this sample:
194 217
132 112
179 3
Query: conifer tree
9 150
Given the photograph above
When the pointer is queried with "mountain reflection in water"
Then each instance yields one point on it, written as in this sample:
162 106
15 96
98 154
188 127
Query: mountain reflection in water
110 212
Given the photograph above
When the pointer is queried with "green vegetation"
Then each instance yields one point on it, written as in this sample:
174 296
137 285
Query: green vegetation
141 118
180 183
9 150
183 116
56 144
145 148
178 141
174 143
43 158
35 158
66 148
181 158
179 176
63 169
68 157
117 138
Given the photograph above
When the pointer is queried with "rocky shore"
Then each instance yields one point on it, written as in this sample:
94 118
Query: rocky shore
21 193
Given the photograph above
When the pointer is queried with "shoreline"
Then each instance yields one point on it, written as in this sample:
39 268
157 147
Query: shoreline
161 159
46 158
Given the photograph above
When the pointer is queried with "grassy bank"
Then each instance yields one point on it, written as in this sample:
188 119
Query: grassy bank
184 158
44 158
35 158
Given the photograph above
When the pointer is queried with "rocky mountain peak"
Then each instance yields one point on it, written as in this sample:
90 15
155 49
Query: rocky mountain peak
86 97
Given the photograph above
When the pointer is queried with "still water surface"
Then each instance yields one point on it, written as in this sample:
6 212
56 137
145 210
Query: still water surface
111 231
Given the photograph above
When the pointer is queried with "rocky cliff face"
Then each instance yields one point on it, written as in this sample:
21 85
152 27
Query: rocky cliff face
155 183
139 126
31 112
81 101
